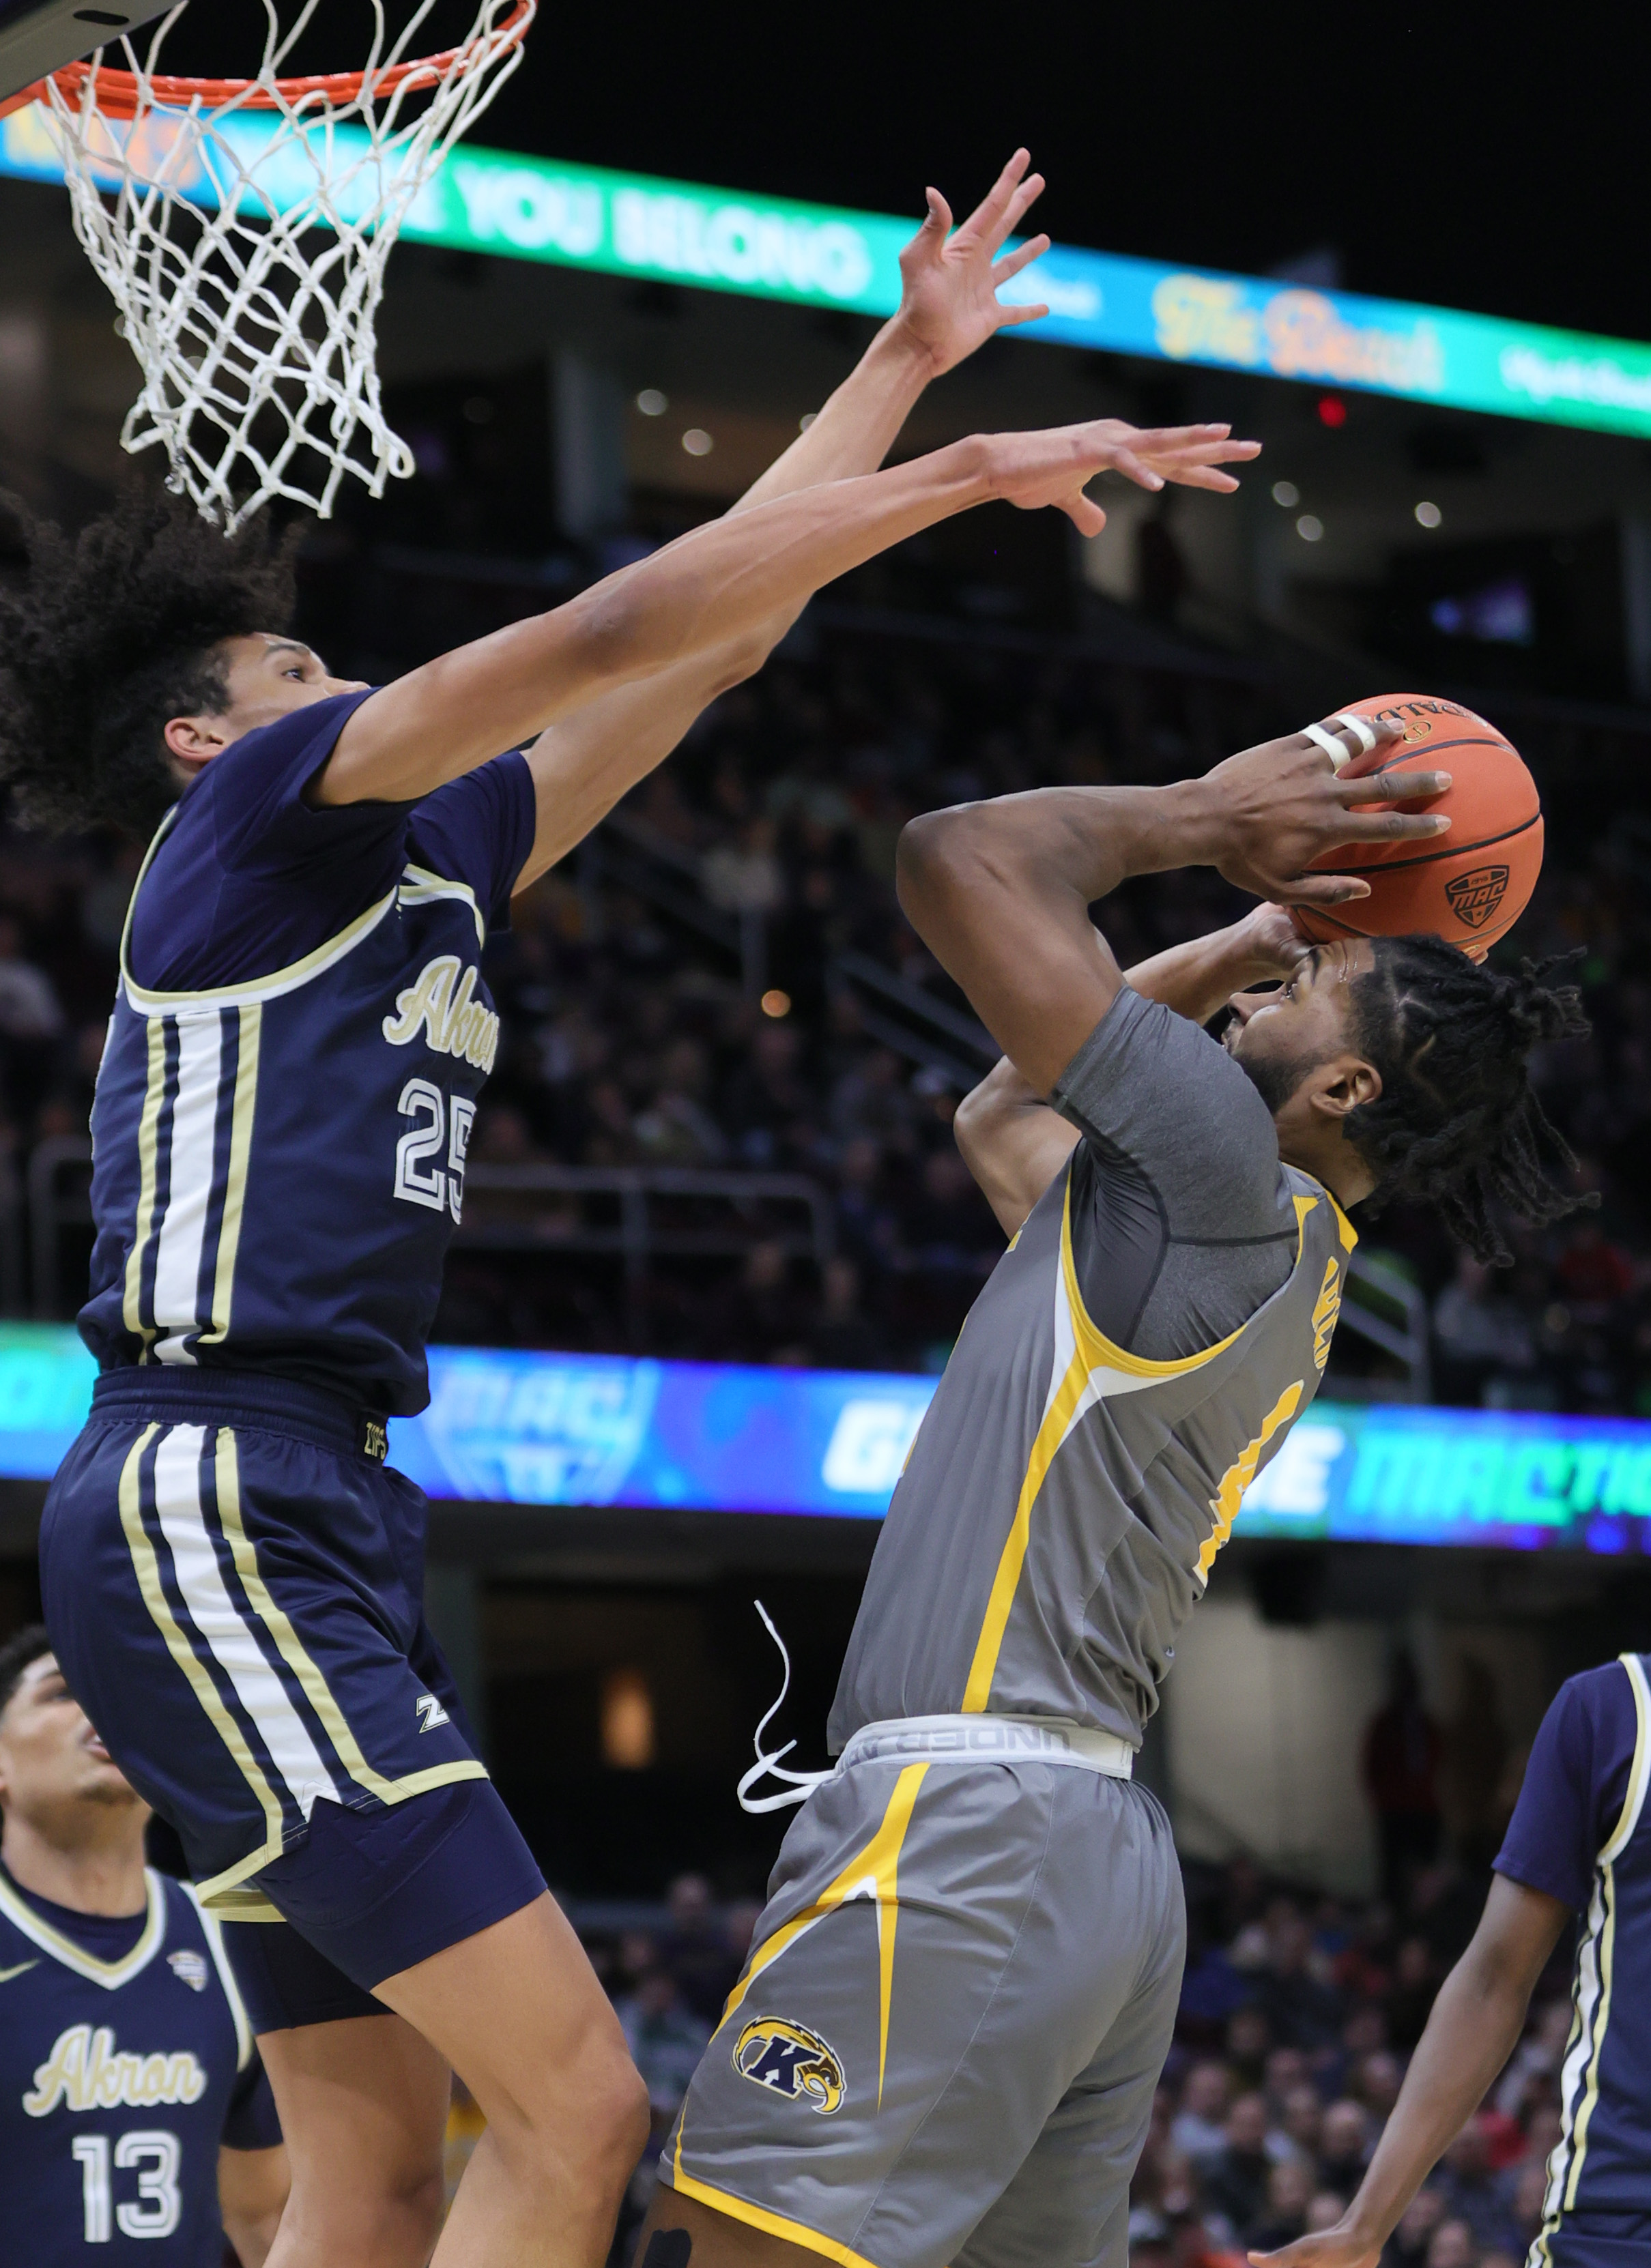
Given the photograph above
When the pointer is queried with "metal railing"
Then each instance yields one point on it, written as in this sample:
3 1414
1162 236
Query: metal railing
59 1197
898 1013
657 1211
1382 1306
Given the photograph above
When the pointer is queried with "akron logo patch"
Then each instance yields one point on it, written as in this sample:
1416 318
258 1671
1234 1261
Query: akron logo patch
1475 897
790 2060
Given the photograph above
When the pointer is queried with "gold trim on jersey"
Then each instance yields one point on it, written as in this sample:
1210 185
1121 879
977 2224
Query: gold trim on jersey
226 1469
1095 1368
242 1110
424 887
212 1930
109 1974
873 1872
143 1227
757 2216
1226 1502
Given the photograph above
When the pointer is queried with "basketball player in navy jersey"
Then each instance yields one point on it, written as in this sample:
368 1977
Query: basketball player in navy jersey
135 2118
231 1576
1578 1849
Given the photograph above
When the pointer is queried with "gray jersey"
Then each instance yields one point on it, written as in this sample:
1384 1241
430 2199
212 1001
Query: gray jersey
1139 1355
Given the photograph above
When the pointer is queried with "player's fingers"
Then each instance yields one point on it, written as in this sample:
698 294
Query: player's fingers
1347 735
1200 476
938 216
1392 826
1319 890
987 220
1215 451
1008 317
1013 262
1019 205
1126 461
1391 787
1086 517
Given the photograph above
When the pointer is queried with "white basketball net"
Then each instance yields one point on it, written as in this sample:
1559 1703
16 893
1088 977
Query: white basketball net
243 233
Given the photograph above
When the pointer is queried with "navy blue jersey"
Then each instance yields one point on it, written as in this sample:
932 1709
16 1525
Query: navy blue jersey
1580 1832
126 2062
299 1036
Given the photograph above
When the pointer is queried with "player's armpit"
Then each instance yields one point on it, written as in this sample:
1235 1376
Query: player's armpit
1012 1142
251 2191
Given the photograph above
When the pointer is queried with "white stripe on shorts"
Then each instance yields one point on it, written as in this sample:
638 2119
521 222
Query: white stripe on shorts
215 1616
991 1739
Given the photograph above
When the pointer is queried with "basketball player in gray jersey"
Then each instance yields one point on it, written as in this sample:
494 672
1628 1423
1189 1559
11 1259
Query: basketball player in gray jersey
944 2046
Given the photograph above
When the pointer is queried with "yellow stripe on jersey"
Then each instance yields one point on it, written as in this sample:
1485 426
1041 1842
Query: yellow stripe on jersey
1225 1503
109 1974
249 1031
148 1142
757 2216
873 1872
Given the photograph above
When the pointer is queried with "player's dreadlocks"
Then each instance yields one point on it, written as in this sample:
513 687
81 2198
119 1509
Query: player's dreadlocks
107 638
1457 1122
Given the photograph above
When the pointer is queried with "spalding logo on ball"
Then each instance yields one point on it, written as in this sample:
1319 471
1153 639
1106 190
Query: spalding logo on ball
1475 884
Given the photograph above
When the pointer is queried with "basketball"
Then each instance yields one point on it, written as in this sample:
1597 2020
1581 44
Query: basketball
1474 886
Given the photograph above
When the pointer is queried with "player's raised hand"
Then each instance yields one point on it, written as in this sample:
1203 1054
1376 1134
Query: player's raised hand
1275 808
951 277
1053 468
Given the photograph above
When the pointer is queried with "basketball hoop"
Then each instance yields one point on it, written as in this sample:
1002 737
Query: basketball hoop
242 227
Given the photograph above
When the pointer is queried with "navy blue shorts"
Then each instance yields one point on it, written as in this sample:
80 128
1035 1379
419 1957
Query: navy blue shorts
1600 2240
233 1583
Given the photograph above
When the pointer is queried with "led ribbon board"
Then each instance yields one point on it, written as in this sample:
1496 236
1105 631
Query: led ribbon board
608 1430
527 208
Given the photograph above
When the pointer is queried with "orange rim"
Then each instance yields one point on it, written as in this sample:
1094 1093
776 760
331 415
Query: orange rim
116 92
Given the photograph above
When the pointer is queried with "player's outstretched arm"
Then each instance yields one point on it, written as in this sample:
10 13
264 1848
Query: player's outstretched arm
1475 2025
584 763
719 584
1011 1141
1000 892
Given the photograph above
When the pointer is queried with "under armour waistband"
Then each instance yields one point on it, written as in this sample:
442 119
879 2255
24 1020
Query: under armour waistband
255 1398
991 1739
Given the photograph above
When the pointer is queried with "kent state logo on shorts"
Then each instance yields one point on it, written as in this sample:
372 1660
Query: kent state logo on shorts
790 2060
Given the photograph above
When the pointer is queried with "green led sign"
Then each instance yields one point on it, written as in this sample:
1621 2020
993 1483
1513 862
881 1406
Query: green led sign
523 207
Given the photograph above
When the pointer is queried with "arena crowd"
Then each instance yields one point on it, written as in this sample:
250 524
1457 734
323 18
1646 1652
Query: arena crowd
742 1036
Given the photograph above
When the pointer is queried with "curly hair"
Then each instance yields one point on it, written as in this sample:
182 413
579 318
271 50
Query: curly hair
107 637
1457 1123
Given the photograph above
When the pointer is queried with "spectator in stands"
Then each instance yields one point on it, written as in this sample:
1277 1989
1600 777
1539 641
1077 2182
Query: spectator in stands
1199 2132
695 1950
1234 2180
1401 1749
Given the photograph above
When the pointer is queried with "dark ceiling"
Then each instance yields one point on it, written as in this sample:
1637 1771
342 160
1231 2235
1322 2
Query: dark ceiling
1461 154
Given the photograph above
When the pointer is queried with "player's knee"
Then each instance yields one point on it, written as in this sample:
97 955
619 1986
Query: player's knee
613 2127
390 2221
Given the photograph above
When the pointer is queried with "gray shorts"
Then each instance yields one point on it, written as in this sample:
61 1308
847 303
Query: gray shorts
945 2041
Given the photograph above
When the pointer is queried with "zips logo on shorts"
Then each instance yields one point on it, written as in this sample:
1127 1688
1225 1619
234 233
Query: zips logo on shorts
790 2060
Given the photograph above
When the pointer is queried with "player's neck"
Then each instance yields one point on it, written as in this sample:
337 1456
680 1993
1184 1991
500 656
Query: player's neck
1330 1159
97 1869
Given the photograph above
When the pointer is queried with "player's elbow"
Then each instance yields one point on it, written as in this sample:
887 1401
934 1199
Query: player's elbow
942 860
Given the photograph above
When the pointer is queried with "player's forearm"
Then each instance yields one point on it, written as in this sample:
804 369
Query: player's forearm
1474 2028
1042 858
709 588
1197 978
859 423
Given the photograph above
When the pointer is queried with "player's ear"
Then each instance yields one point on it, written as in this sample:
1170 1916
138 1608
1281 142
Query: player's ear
191 739
1346 1083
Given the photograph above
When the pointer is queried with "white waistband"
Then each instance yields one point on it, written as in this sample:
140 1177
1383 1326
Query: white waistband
991 1739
